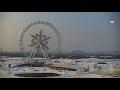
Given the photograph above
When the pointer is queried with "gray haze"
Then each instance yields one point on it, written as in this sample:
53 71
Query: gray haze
87 31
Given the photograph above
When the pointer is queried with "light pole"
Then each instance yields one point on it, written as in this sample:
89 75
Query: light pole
1 54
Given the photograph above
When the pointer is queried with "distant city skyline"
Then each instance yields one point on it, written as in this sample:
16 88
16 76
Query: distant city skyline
85 31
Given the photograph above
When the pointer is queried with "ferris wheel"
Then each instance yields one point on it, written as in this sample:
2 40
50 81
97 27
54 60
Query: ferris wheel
40 39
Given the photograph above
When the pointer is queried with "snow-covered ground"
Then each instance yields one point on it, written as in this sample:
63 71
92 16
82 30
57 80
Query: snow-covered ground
83 66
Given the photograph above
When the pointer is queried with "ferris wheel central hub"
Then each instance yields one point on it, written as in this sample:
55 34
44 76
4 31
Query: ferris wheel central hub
39 43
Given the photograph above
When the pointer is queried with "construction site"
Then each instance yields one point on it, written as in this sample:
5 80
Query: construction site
60 68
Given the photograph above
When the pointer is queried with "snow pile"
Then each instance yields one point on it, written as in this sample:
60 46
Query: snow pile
2 72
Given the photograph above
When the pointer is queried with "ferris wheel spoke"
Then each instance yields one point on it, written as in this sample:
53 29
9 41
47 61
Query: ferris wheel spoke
46 38
45 42
31 45
45 46
41 33
37 35
33 36
43 36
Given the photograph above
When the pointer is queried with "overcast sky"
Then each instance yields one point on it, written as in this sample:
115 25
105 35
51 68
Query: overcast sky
87 31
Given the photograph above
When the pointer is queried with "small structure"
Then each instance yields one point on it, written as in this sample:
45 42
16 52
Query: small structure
78 72
68 61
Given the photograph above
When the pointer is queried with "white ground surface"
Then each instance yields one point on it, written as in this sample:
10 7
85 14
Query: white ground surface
81 64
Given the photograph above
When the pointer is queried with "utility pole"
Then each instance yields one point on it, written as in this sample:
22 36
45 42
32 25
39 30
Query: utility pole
1 54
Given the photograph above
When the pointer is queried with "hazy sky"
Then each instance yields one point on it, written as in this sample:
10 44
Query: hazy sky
87 31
